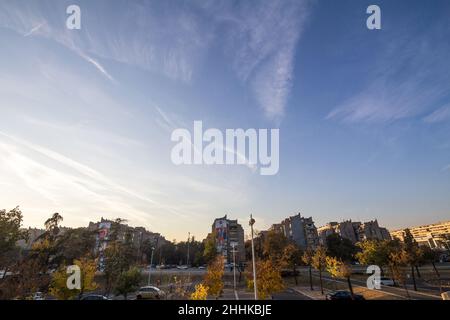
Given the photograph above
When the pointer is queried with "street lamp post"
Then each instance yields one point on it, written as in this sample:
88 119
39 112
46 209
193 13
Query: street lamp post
150 269
233 245
251 223
187 258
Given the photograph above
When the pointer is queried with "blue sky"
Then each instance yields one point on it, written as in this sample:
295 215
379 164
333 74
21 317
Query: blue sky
364 115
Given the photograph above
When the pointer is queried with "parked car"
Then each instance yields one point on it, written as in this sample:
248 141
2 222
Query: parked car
183 267
38 296
343 295
94 297
150 292
202 267
384 281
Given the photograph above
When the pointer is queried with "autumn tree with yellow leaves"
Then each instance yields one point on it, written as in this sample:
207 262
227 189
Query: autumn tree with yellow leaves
268 278
213 279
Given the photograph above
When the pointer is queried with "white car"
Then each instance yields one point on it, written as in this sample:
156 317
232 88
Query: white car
150 292
184 267
384 281
38 296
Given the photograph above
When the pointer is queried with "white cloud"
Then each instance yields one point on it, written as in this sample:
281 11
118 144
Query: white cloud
263 41
439 115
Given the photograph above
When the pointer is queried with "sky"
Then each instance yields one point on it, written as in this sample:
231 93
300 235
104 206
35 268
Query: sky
87 115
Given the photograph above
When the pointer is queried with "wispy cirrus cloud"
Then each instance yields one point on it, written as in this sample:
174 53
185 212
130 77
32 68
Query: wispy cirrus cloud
263 41
441 114
39 19
407 80
259 39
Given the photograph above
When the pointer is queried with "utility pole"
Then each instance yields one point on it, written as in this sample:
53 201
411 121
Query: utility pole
150 269
187 259
233 245
251 223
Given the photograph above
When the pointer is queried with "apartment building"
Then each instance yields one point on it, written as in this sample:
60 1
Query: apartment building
432 235
354 231
229 233
299 229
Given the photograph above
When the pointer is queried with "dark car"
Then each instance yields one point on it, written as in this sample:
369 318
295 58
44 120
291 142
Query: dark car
94 297
343 295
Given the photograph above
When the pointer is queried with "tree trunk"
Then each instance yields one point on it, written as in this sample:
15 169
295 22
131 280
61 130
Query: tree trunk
321 282
125 295
350 287
438 276
393 275
417 270
413 277
382 271
310 278
295 275
406 289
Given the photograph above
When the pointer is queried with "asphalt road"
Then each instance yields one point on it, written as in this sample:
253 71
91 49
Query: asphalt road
289 294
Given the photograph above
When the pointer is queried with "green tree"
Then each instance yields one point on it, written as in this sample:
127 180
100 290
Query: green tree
128 282
10 233
319 262
273 246
373 252
291 258
210 251
340 248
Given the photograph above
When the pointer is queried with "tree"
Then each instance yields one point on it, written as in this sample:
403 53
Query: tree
319 263
268 277
413 254
115 262
213 277
210 250
431 256
339 269
200 293
128 282
273 246
373 252
10 233
398 260
290 258
58 286
340 248
52 226
307 259
74 244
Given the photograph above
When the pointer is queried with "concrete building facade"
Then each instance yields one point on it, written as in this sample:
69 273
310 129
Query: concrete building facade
354 231
435 235
228 233
299 229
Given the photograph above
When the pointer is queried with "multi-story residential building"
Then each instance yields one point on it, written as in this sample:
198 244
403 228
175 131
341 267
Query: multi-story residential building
137 236
435 235
300 230
33 235
354 231
229 233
